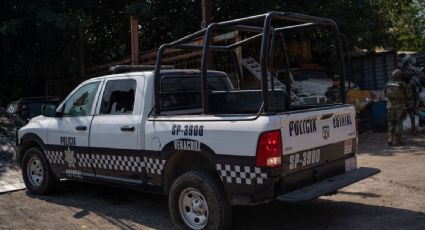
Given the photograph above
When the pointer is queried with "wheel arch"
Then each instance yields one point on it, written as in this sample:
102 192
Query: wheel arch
29 140
180 161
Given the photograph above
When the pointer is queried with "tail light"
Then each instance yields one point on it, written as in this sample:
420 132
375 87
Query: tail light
269 149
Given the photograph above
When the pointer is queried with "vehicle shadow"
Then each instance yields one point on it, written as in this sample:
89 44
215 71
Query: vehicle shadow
376 145
131 210
326 214
124 209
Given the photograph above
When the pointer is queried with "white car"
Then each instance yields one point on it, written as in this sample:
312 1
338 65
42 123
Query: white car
311 85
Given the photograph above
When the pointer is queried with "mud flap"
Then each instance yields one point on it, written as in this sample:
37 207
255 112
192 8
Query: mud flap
327 186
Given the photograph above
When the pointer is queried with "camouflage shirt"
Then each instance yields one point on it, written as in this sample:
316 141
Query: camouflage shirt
411 87
396 92
333 94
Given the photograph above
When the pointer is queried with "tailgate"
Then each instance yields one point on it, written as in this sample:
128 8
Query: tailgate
317 136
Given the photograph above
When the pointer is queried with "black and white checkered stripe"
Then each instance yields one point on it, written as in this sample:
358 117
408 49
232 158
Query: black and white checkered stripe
111 162
55 157
84 160
154 166
241 174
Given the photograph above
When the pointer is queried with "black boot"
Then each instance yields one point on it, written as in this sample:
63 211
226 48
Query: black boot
399 139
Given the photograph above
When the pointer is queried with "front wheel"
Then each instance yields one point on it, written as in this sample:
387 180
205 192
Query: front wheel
198 201
36 172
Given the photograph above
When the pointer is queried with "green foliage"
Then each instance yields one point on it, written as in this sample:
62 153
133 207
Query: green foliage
35 44
408 28
40 40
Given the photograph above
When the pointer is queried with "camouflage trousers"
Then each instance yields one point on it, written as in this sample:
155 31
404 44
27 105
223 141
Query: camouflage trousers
411 108
395 119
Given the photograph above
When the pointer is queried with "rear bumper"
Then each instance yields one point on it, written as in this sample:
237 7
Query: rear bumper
327 186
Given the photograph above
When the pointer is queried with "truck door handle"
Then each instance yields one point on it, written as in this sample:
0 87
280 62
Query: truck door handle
81 128
127 128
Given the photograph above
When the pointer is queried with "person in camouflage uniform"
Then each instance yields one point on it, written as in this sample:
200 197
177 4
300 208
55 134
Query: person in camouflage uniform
333 92
396 91
411 102
412 93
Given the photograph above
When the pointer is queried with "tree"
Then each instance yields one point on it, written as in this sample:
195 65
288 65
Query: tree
40 42
408 27
36 45
40 39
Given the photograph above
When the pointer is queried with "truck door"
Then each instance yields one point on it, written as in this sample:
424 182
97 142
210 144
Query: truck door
68 136
115 131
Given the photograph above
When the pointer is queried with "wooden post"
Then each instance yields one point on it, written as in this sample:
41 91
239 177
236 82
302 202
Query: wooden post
206 20
206 13
134 27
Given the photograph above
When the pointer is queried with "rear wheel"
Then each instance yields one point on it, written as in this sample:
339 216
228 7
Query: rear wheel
198 201
36 172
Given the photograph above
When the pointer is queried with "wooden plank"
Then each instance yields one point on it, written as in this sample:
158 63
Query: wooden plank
149 57
182 56
218 38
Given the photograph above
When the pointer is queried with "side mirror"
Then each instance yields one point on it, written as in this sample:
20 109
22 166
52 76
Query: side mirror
49 110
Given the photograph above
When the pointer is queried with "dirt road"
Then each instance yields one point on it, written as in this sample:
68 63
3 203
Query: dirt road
394 199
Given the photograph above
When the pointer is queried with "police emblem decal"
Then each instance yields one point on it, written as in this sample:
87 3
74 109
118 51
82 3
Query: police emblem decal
326 132
70 158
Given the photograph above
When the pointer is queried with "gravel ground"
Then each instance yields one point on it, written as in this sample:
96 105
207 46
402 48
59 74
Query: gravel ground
393 199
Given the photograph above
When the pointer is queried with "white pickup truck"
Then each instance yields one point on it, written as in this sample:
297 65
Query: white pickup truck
152 131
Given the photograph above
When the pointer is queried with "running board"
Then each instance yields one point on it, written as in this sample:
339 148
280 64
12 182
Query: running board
327 186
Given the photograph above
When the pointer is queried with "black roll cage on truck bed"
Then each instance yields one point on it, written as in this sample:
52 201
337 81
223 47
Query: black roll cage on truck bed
267 33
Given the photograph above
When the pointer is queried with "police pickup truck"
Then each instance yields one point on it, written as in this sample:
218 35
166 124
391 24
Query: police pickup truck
195 136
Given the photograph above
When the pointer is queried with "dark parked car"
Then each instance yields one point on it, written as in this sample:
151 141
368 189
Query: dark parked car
29 107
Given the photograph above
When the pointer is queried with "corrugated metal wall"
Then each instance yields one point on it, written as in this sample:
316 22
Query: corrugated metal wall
373 71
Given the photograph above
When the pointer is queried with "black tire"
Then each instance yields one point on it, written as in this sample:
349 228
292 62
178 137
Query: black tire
48 181
209 186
